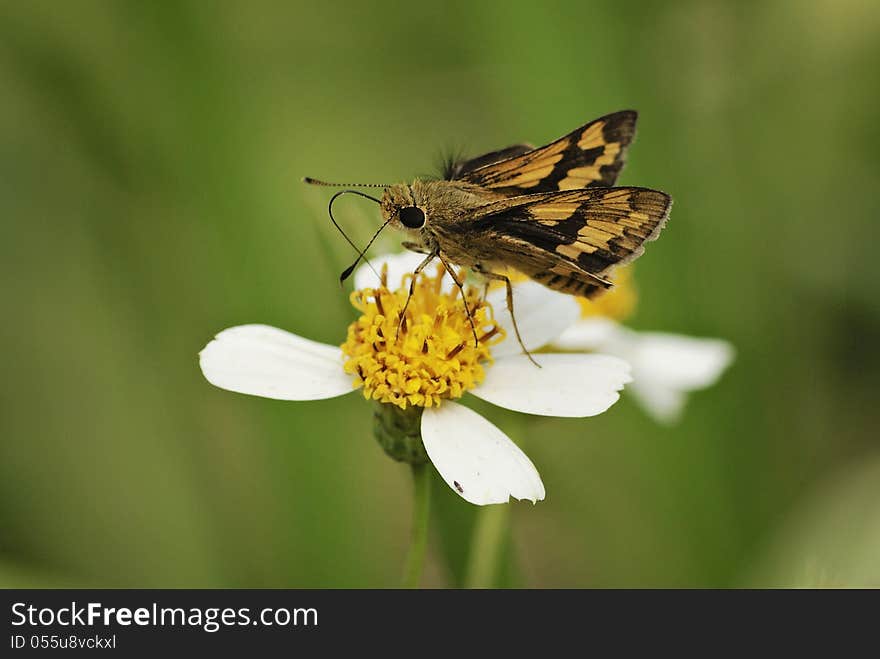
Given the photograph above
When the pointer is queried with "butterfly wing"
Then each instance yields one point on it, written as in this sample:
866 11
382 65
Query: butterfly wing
456 169
570 241
590 156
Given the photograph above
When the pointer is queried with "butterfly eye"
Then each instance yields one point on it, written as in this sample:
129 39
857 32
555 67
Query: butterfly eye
412 217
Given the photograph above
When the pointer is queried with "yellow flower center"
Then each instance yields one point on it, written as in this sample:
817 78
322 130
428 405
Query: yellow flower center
618 303
427 355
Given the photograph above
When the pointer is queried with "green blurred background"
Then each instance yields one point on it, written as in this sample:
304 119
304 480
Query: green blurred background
150 157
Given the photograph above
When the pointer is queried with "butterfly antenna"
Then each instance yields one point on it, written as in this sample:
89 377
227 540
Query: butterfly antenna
314 181
345 274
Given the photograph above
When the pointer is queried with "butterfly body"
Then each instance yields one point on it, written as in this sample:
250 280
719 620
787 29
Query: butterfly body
447 208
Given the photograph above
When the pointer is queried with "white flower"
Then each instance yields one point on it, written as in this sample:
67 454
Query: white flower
418 368
665 367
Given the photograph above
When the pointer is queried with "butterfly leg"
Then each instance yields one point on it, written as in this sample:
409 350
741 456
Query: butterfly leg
412 287
460 286
506 280
416 247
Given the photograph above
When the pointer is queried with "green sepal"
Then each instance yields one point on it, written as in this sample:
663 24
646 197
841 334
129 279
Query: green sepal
399 432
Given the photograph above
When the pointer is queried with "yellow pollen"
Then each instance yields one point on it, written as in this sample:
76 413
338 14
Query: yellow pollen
428 355
618 303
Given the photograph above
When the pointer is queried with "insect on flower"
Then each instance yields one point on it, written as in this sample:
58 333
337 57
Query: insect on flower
547 212
419 377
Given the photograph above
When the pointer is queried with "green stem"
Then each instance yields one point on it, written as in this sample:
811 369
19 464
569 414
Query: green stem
487 544
415 560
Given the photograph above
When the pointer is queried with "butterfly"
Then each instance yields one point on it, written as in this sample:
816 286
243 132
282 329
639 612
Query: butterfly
550 213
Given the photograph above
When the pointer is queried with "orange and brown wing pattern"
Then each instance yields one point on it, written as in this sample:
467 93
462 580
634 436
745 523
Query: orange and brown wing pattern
590 156
569 241
458 169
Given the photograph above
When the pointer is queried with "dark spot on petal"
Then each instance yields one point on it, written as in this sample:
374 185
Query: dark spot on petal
458 487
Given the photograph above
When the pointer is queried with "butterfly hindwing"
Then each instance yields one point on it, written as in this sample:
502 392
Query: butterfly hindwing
569 241
590 156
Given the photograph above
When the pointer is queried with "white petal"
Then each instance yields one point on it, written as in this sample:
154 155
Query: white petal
269 362
664 366
571 385
594 333
476 459
399 265
541 315
663 403
679 362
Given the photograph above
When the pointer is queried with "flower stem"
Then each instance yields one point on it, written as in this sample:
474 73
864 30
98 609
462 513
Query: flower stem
487 544
415 560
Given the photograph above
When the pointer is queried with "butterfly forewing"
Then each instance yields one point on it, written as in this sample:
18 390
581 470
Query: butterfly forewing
569 241
457 169
590 156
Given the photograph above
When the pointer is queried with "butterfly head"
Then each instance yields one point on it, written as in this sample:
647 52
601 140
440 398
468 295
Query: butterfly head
401 208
